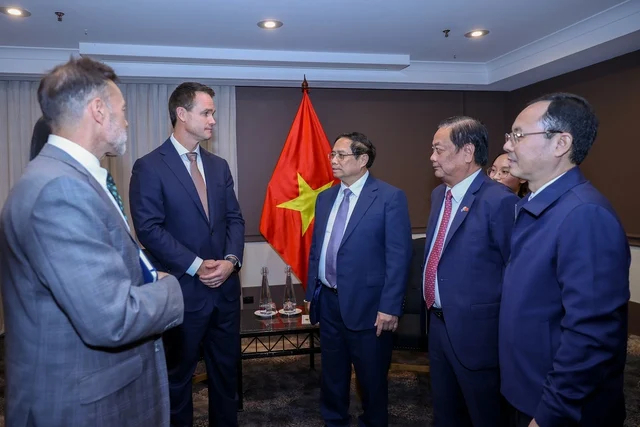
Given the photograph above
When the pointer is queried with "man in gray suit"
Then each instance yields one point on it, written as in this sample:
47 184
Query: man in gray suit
83 320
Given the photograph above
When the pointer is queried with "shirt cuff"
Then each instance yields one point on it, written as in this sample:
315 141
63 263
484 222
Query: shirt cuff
195 266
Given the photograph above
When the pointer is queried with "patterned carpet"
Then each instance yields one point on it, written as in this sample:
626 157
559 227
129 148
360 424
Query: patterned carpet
284 392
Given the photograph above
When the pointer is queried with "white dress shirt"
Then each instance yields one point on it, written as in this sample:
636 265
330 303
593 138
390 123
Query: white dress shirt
92 165
356 189
182 152
458 192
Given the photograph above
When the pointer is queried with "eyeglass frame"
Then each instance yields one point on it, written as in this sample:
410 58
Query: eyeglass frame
516 136
340 156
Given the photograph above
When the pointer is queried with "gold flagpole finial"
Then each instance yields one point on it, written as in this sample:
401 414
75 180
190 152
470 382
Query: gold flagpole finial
305 84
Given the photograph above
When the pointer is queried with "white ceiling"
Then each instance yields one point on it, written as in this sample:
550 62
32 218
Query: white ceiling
345 43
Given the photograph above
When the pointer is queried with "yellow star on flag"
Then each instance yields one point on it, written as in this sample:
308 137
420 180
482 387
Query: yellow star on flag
305 203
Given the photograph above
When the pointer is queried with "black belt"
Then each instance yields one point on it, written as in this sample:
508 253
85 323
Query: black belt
334 290
437 312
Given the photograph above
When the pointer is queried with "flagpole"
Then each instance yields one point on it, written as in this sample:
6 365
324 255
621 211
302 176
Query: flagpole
305 85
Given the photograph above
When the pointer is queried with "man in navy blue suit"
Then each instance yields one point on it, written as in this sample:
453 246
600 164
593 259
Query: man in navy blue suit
359 264
563 324
467 249
186 214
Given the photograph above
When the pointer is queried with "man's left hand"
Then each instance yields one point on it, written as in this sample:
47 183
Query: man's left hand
220 271
386 322
533 423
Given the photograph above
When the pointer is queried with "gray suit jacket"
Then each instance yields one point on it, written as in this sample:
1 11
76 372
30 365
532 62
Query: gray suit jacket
83 341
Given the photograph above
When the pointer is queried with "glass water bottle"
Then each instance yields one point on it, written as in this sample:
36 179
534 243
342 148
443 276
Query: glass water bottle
267 307
289 304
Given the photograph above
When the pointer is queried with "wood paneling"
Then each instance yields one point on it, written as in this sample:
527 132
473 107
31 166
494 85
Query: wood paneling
400 123
613 88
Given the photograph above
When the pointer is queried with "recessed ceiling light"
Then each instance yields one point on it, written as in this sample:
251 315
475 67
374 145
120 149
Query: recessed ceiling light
476 33
15 11
269 24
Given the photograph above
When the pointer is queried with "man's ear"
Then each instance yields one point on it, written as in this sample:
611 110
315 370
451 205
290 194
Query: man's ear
97 108
563 144
469 151
181 114
364 158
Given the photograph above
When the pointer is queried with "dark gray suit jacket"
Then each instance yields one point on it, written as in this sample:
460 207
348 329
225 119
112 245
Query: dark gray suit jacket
82 331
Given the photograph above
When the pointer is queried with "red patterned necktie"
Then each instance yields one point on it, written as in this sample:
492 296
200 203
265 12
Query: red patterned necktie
434 256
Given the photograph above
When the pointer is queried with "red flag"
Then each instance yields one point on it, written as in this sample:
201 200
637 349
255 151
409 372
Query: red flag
303 170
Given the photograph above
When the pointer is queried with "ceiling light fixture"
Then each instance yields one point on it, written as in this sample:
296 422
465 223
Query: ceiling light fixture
476 33
269 24
17 12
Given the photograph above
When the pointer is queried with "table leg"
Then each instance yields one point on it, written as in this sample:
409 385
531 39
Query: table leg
312 345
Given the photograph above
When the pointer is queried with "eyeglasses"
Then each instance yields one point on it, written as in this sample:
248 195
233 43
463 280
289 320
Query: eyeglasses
340 156
515 137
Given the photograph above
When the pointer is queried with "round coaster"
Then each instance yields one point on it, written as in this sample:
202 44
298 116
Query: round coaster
293 313
261 313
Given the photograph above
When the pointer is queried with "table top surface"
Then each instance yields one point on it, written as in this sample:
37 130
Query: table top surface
251 323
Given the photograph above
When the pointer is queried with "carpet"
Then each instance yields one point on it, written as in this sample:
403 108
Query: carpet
284 392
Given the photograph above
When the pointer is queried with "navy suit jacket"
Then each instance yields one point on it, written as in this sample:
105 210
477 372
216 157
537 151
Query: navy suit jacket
471 268
563 325
171 223
374 255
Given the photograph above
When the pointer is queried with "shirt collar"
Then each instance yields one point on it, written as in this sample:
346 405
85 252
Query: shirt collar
535 193
460 189
180 148
356 187
80 155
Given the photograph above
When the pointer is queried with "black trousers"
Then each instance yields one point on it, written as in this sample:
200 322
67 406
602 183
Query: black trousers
517 418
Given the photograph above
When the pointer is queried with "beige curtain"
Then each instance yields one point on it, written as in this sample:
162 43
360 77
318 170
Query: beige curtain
149 126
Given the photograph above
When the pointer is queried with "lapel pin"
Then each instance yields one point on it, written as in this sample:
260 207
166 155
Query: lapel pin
464 209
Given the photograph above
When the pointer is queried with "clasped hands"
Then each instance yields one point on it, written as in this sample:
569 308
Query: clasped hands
213 273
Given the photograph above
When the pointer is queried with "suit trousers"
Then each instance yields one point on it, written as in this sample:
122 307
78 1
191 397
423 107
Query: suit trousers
517 418
461 397
371 358
213 331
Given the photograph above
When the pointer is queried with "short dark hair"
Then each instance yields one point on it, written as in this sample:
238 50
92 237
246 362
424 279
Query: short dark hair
360 145
41 132
574 115
467 130
64 91
523 190
184 95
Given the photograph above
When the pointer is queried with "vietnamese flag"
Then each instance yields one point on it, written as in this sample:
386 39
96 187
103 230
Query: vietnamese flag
302 172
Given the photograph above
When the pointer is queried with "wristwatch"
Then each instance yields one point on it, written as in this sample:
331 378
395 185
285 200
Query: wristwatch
235 261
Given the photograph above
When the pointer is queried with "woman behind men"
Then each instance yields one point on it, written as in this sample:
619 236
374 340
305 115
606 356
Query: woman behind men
499 171
41 132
